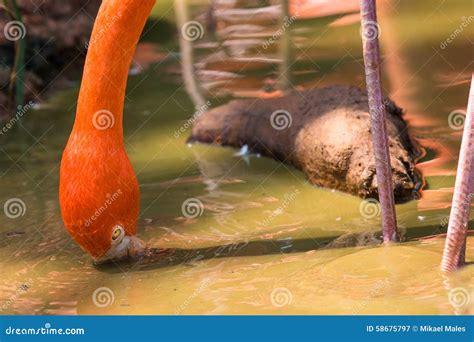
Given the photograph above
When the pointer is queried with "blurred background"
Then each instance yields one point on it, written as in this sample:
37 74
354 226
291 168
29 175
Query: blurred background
294 248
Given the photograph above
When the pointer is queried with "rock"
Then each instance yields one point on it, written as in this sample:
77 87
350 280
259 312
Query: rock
323 132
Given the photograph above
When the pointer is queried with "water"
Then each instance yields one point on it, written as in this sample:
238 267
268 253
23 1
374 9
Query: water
265 242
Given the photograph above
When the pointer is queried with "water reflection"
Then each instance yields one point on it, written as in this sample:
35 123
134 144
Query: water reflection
248 242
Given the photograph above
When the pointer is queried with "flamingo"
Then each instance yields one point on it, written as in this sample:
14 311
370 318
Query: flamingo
454 252
98 192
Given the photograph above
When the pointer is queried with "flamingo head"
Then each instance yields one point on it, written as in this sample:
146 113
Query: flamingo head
108 234
106 231
122 246
100 204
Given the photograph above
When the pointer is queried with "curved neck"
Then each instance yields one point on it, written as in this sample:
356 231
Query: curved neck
117 29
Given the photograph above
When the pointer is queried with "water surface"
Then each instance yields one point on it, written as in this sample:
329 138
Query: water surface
264 241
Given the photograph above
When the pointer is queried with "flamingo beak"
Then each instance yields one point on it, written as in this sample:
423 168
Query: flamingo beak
136 248
129 248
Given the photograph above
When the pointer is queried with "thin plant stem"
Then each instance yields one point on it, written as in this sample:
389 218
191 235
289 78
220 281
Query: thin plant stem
370 32
17 78
285 49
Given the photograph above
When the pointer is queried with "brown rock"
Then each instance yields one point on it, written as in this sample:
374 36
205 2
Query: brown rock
323 132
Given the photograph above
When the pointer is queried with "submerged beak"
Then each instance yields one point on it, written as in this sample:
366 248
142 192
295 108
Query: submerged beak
129 248
136 248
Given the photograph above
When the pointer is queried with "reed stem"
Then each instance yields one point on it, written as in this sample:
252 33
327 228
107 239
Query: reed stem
370 32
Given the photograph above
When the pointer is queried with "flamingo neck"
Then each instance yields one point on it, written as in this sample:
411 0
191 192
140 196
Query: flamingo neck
117 29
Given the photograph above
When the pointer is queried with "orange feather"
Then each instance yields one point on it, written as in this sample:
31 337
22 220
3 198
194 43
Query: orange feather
98 187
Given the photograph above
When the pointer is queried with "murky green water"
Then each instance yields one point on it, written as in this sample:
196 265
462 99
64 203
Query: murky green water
266 241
